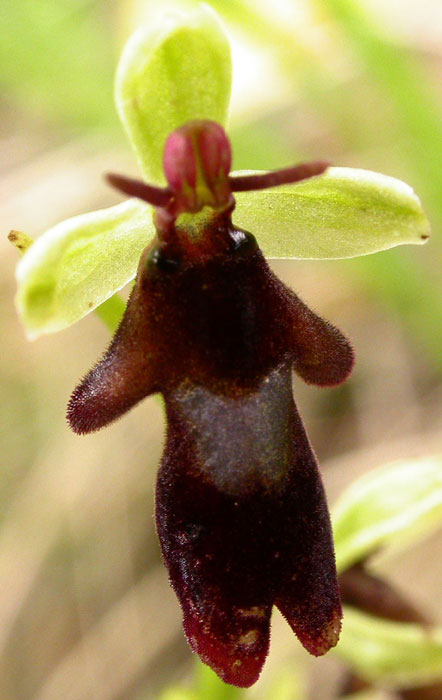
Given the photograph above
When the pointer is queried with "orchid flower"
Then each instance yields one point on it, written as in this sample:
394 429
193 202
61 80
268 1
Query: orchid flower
241 511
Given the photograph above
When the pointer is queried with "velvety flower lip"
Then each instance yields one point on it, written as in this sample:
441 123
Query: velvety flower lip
241 512
243 524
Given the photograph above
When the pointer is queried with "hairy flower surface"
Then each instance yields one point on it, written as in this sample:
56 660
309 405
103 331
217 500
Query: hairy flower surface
241 511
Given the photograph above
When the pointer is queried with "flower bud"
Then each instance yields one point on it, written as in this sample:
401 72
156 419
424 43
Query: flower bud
197 161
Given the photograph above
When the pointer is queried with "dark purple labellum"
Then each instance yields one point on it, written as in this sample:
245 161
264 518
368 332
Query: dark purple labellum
244 525
241 511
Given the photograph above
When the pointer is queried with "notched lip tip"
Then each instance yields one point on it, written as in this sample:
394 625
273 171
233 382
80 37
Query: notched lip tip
236 679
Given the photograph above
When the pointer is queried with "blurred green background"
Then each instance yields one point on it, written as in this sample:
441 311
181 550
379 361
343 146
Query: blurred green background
85 608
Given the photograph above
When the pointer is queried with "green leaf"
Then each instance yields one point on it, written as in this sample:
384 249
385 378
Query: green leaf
407 284
177 693
391 506
406 84
344 213
78 264
288 684
209 685
170 72
57 61
390 652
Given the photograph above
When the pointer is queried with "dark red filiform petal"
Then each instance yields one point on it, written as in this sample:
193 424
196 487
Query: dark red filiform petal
157 196
286 176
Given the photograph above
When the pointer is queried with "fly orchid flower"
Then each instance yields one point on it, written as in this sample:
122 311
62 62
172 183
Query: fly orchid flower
241 512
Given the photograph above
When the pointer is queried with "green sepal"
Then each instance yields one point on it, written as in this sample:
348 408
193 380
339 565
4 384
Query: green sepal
390 653
388 508
79 264
342 214
170 72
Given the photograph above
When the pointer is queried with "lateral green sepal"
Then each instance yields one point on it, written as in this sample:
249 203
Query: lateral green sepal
75 266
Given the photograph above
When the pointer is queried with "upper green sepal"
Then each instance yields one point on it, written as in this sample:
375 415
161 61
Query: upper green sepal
390 653
342 214
387 508
78 264
170 72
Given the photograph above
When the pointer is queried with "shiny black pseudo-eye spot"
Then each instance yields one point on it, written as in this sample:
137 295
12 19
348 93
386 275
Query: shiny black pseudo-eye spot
242 242
158 260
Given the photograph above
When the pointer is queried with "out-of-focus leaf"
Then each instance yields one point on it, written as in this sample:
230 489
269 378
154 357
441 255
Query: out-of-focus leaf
390 507
404 83
399 280
209 685
78 264
178 694
288 684
57 60
390 652
369 694
170 72
344 213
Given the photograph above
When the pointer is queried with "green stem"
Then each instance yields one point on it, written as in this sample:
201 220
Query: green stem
111 312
